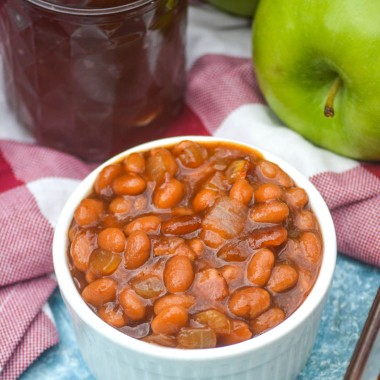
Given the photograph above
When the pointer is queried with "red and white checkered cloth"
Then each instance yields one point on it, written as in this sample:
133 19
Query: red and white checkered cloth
222 99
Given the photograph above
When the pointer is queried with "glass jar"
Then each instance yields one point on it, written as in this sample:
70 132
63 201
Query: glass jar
93 77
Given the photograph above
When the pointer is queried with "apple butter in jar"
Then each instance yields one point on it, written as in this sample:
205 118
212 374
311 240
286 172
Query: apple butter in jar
93 77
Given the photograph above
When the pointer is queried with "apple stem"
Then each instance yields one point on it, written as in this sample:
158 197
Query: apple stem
329 106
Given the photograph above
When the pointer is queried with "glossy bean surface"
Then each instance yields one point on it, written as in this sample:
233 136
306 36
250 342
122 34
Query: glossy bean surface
283 277
169 194
178 274
260 267
89 212
137 250
170 320
100 292
104 180
112 239
249 302
129 184
269 212
132 305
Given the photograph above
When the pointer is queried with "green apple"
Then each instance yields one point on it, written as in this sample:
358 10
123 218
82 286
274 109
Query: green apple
238 7
318 65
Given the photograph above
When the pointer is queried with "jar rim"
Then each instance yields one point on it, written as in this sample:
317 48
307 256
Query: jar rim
90 11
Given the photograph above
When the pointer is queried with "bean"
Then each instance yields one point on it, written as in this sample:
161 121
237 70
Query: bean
169 194
89 212
149 224
183 300
269 212
148 286
311 247
304 220
260 267
112 239
100 291
242 191
120 205
214 319
273 172
267 192
204 199
113 315
137 250
283 277
103 263
269 319
178 274
239 332
249 302
296 197
102 185
81 248
191 154
211 285
129 184
135 163
268 169
233 252
181 225
267 237
170 320
195 338
132 304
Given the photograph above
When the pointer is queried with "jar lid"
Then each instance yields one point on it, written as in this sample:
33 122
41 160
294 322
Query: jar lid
90 11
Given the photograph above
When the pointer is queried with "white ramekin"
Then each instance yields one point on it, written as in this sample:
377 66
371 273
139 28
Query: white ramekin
278 354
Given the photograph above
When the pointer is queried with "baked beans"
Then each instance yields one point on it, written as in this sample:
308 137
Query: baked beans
196 245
